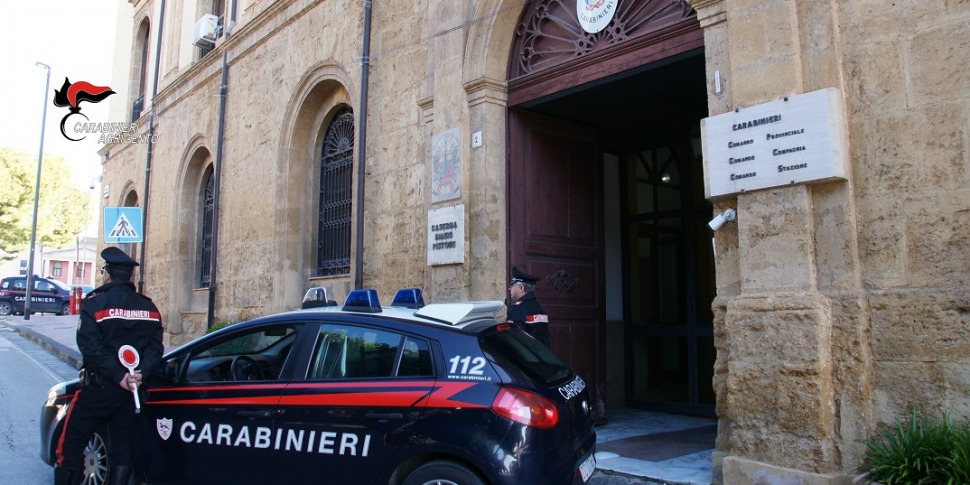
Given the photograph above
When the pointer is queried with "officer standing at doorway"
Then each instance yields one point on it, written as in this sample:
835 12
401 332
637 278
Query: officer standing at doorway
113 315
525 311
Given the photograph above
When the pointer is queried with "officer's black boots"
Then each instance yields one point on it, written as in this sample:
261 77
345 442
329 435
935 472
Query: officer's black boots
66 476
118 475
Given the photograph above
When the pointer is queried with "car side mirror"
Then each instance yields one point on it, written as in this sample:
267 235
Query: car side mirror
170 370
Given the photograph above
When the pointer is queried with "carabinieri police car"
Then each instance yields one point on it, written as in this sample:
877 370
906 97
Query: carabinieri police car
360 393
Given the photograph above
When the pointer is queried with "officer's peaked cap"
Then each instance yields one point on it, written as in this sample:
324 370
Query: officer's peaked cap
518 276
116 257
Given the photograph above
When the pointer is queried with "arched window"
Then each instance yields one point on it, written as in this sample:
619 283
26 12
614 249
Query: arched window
140 70
336 191
205 240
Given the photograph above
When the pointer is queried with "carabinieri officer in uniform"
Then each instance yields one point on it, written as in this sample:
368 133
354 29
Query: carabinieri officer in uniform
525 311
112 315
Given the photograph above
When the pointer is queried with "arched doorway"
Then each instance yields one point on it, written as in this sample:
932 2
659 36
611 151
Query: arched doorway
605 197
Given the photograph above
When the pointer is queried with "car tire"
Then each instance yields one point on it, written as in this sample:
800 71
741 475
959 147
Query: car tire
65 309
6 308
443 473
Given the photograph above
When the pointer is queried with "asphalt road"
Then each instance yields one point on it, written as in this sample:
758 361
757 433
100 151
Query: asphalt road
27 371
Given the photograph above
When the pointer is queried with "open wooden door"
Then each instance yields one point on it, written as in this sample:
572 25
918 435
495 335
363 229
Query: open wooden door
555 224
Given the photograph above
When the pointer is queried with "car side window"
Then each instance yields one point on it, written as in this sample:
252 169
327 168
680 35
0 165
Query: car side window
416 359
349 352
255 355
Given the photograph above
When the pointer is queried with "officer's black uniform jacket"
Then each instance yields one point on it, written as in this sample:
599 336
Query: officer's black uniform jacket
113 315
528 314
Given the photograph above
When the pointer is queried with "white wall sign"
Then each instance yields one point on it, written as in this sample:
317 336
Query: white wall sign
794 140
446 235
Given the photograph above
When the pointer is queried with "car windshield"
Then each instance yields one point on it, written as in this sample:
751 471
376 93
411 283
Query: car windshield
518 350
60 285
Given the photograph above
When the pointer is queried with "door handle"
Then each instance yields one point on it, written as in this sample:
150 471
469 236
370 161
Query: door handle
254 414
373 415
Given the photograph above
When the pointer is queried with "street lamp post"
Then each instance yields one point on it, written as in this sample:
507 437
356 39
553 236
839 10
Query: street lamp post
33 225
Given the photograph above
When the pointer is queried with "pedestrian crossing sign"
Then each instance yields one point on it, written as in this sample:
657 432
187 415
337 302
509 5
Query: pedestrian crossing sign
123 225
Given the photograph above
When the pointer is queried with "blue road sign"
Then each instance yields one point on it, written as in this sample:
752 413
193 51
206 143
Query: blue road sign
123 225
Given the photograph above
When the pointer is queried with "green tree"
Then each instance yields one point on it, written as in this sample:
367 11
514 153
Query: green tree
63 210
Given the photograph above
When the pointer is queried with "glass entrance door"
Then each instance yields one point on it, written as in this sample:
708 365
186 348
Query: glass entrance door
669 279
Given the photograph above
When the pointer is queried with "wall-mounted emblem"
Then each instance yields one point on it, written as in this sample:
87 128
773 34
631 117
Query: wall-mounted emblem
595 15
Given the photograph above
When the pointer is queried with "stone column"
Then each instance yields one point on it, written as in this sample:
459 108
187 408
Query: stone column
791 328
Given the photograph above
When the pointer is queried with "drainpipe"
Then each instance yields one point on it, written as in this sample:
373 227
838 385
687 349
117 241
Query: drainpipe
216 176
362 146
151 145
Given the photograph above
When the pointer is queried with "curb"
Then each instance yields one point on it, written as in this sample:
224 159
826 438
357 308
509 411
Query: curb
68 355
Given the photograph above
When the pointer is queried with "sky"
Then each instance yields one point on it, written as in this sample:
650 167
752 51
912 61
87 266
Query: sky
76 38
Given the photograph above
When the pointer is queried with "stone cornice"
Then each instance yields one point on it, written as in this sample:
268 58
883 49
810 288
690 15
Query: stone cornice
486 90
709 12
427 109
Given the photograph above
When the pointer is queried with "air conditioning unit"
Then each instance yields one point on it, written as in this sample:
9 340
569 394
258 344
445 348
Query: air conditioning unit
206 31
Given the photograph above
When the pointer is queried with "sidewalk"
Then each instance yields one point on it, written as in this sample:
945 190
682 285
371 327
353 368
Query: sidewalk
654 447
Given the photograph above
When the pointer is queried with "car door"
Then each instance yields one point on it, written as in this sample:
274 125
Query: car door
17 290
363 390
43 298
209 415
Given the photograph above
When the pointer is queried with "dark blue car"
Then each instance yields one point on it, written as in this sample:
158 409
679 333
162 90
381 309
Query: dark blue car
358 393
47 296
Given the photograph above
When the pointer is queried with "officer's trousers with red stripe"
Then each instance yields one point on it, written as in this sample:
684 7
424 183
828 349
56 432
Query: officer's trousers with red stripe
96 405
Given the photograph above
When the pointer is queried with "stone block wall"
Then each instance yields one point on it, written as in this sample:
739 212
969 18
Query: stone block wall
289 64
843 306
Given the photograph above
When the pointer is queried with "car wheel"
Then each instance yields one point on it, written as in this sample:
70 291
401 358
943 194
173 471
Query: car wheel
95 468
5 308
65 309
443 473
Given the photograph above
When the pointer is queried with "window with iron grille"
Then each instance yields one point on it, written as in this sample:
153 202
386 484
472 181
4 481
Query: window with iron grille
205 242
336 191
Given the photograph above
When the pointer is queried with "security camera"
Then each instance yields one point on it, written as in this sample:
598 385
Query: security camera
728 216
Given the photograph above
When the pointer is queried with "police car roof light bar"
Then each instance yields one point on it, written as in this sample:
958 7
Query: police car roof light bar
363 301
458 313
318 296
408 298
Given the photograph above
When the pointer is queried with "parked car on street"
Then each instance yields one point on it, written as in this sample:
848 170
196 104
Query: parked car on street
47 296
407 394
85 289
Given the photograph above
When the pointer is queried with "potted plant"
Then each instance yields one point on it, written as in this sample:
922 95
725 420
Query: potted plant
918 451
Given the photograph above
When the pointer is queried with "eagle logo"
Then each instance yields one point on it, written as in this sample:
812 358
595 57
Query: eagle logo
71 95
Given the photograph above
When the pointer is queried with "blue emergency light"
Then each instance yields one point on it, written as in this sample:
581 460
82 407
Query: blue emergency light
364 301
408 298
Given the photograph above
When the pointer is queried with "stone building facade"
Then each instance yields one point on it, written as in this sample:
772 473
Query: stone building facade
826 310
